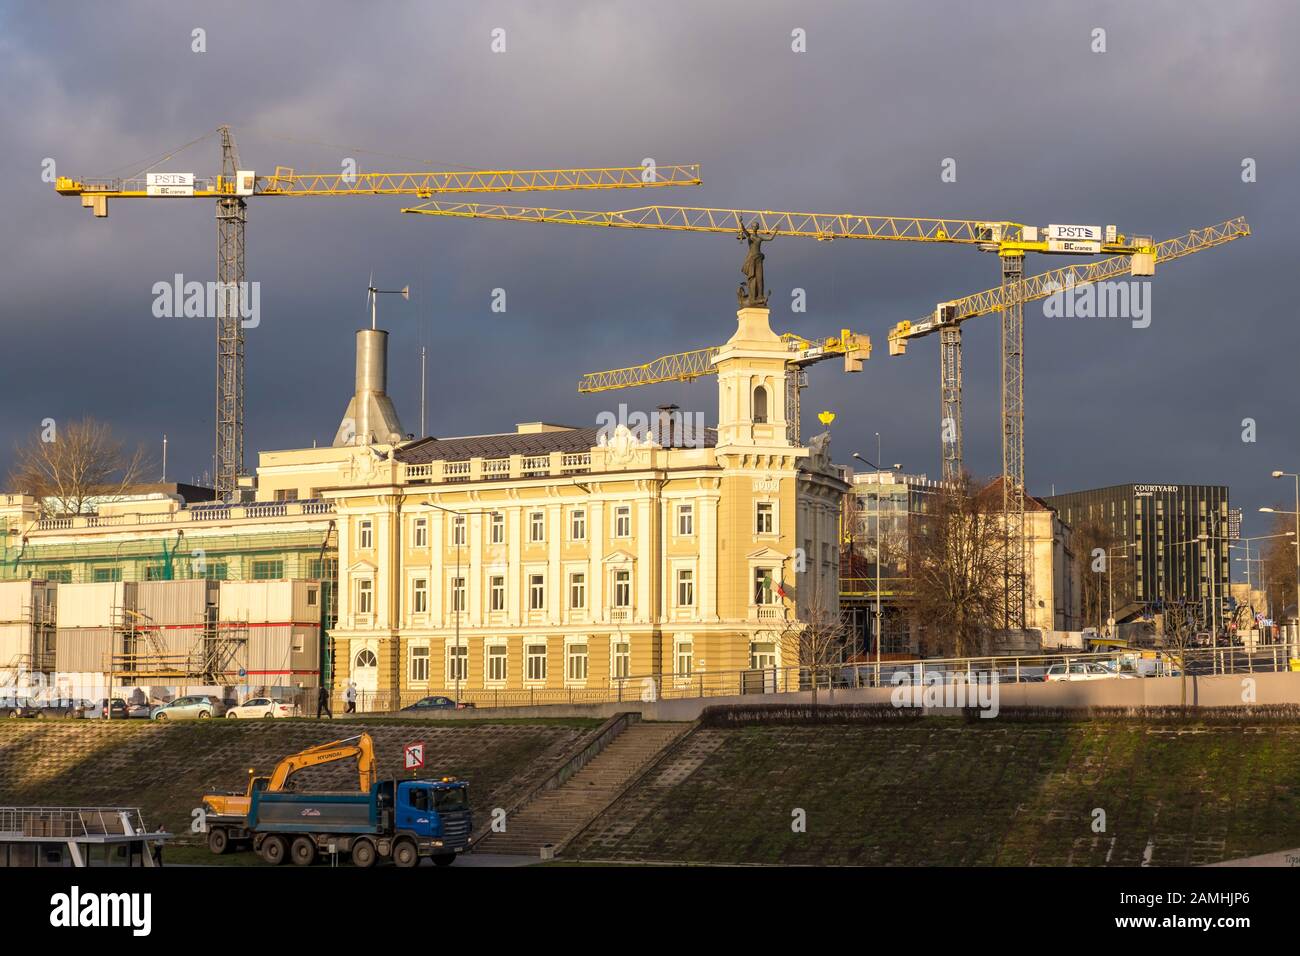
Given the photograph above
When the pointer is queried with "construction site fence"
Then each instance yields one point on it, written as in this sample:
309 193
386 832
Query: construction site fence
649 688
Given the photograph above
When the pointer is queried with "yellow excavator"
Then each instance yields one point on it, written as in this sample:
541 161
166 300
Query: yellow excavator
226 812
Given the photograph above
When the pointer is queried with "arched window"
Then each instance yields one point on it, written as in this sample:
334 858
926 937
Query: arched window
760 405
366 658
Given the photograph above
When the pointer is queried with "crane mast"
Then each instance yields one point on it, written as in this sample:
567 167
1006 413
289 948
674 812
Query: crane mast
232 216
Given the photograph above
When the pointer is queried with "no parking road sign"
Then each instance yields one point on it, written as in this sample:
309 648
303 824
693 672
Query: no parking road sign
413 755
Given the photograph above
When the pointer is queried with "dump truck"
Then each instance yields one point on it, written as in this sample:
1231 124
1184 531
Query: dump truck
401 820
221 808
404 820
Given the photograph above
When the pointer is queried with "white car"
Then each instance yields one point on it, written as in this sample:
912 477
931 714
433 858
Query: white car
265 707
1083 670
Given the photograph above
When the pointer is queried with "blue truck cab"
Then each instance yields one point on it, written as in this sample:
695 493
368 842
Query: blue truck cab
404 820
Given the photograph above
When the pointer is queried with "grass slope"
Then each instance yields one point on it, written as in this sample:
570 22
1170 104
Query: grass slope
165 768
940 791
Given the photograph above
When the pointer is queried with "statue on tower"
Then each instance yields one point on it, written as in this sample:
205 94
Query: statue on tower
751 294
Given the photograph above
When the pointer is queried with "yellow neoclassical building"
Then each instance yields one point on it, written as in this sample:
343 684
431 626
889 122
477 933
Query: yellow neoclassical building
553 563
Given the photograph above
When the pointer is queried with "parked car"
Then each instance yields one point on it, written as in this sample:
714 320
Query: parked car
263 707
193 707
435 703
1083 670
30 708
120 710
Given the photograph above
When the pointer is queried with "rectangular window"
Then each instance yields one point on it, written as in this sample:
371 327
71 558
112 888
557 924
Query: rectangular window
685 520
766 518
100 575
457 663
421 535
286 494
496 663
577 591
622 522
497 591
535 657
365 597
685 658
322 569
458 594
536 526
366 535
575 668
536 592
578 525
685 588
622 589
420 596
498 528
621 653
762 586
458 530
268 570
419 665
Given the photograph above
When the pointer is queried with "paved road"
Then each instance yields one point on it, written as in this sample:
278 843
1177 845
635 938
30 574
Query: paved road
493 859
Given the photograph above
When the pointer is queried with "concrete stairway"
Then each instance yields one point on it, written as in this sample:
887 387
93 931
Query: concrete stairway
556 815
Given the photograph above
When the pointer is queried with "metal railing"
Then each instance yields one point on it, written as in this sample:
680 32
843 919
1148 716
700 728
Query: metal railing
1273 658
70 822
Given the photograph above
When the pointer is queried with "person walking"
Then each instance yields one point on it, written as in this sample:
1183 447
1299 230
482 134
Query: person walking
350 695
323 702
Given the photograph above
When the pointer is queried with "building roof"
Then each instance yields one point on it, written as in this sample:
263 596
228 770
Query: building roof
993 490
510 443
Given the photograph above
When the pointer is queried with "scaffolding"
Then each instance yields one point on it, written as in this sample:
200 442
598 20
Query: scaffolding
38 622
145 656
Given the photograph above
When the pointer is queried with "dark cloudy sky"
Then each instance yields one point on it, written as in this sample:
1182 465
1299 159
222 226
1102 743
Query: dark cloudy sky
1149 135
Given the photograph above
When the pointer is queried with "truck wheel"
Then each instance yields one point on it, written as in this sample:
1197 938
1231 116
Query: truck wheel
274 850
405 854
303 851
444 859
218 840
363 854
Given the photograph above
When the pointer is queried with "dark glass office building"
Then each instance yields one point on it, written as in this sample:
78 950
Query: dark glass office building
1156 547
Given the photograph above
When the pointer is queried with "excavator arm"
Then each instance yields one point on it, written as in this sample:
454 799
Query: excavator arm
361 747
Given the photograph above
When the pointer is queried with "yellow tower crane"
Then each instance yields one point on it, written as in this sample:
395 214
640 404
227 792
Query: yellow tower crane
853 347
234 185
1010 240
948 316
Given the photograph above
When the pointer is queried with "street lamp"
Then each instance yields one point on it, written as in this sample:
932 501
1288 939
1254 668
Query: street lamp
1288 474
463 599
896 467
1259 537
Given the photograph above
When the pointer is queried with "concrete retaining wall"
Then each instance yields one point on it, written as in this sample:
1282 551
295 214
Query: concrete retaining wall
1224 691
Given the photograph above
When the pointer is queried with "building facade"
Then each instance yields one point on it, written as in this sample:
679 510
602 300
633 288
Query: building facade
1166 544
882 512
555 563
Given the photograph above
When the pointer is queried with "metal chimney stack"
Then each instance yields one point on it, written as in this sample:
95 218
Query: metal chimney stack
370 418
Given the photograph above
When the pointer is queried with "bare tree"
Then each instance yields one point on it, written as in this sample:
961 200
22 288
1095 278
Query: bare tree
1180 623
68 468
958 560
1278 567
1090 536
815 639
